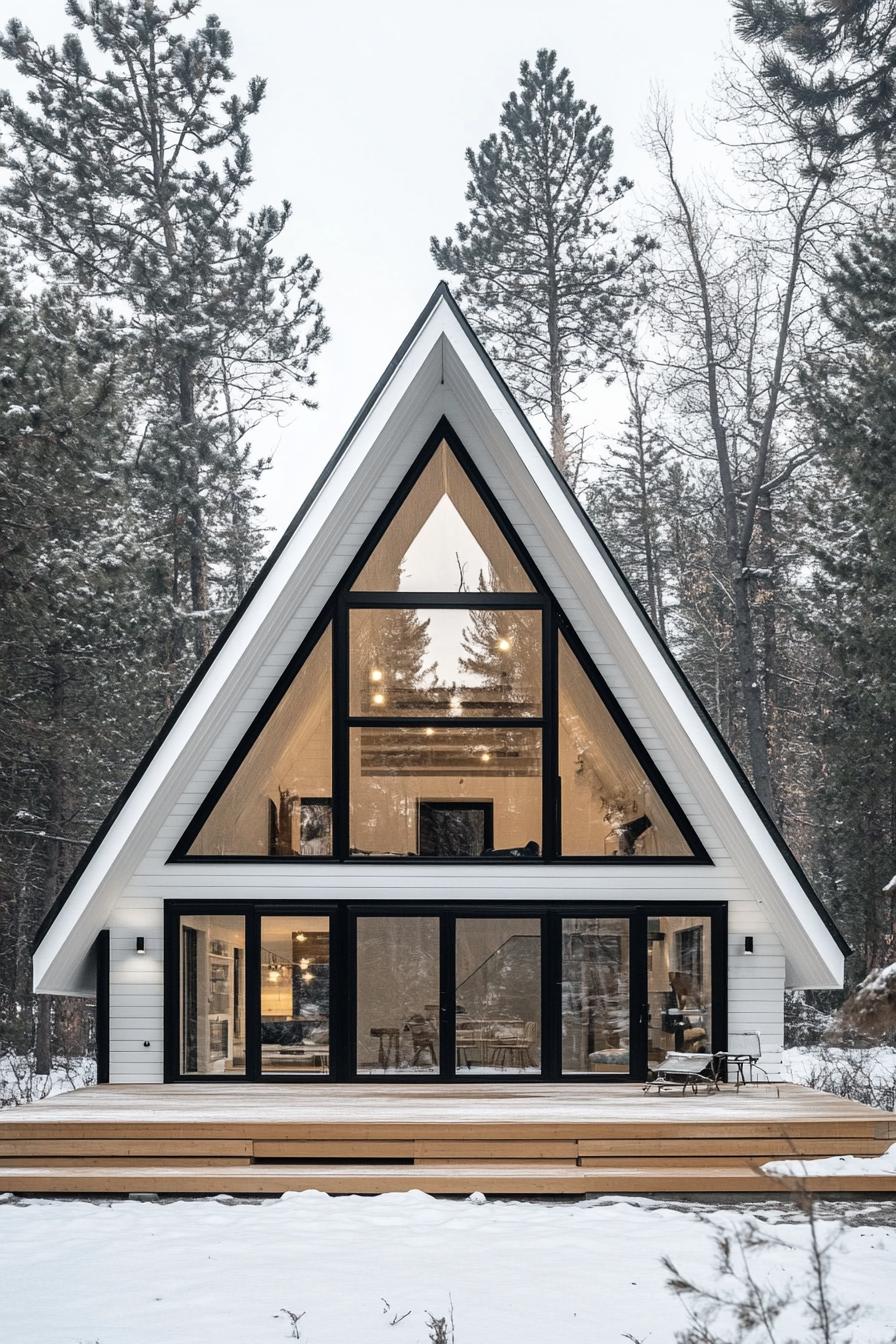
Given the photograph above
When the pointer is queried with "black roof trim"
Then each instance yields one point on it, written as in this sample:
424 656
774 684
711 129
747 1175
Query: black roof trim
442 291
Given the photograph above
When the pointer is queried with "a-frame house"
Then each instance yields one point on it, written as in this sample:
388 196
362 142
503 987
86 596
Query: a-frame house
440 805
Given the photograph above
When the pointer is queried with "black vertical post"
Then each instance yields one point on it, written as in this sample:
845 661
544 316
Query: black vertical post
551 999
253 994
101 1020
638 1002
550 839
340 761
447 998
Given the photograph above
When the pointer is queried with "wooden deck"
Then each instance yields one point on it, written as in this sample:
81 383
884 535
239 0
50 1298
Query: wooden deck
498 1138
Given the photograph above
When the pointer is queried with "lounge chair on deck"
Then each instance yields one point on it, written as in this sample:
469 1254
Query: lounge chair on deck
683 1070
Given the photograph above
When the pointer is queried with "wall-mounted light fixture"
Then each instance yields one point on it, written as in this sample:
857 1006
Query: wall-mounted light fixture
748 945
141 946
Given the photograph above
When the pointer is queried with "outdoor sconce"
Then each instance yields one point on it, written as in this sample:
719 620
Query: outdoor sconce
748 945
141 946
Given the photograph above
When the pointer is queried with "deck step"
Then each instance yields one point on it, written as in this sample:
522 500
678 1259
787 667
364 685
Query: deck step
434 1178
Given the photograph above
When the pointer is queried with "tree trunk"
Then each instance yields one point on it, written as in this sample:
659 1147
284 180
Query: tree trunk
195 518
768 607
55 817
43 1046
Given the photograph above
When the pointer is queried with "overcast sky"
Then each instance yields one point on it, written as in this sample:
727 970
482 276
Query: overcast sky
368 111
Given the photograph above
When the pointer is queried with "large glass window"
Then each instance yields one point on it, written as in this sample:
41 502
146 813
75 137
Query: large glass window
398 774
212 994
452 663
608 805
595 987
398 994
679 985
443 539
443 714
368 990
279 800
295 994
498 996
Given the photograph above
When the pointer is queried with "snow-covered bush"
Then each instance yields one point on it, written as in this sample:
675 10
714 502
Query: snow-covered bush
804 1024
866 1075
869 1014
20 1082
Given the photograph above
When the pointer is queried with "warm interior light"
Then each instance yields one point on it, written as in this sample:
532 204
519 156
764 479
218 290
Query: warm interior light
273 974
304 963
429 732
486 756
379 698
504 645
376 674
300 937
307 976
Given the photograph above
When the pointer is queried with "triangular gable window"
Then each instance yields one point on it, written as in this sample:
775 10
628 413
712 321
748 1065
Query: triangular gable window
443 539
421 722
277 804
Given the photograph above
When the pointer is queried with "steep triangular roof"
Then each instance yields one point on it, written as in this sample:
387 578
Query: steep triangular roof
441 368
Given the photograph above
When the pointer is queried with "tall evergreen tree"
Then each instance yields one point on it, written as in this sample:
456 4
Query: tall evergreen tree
549 289
628 499
131 182
832 59
852 400
73 612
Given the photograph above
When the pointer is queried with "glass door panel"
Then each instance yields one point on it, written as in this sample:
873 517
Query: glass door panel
213 994
498 996
679 985
398 994
295 994
595 989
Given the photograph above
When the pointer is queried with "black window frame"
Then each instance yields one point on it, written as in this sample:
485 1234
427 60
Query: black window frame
554 622
343 916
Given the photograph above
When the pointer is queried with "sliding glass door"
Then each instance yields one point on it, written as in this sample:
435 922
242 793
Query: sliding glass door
595 987
498 996
398 995
423 993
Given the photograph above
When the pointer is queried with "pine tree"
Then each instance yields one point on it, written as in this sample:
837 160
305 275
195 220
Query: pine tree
834 59
627 498
549 289
852 399
131 183
75 621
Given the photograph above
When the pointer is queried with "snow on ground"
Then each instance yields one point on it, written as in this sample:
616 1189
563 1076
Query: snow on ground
19 1083
885 1165
804 1064
213 1272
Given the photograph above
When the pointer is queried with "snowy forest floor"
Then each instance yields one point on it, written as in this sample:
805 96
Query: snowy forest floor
209 1271
353 1268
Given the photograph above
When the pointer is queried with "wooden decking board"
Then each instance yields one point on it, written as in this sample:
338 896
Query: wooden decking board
433 1178
726 1147
520 1139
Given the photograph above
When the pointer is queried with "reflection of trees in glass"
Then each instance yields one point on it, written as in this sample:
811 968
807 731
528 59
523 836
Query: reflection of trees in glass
394 649
494 659
595 988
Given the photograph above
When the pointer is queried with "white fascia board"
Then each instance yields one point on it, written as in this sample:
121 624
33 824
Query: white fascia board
812 948
59 958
